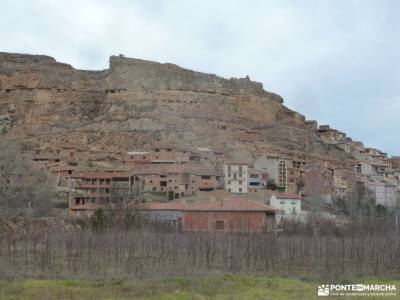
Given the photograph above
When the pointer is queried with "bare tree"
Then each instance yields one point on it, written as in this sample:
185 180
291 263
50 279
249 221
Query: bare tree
23 189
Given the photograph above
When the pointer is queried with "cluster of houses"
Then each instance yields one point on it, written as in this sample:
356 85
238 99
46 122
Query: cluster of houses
201 189
374 169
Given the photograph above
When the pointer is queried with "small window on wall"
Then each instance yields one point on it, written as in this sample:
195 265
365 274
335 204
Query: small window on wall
220 224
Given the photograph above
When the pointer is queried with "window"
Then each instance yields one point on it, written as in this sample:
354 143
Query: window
220 224
282 202
240 168
293 202
240 189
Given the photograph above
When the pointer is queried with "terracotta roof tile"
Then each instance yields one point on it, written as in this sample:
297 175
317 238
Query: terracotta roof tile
287 196
230 204
174 205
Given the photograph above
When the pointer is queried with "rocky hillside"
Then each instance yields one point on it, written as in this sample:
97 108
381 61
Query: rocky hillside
136 104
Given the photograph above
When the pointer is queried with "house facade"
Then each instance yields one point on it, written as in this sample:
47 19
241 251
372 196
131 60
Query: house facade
289 204
89 191
236 177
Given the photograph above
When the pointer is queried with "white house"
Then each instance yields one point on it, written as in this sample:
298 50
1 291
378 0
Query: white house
288 203
236 177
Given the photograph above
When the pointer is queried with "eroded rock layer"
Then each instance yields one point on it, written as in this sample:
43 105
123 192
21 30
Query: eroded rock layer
137 104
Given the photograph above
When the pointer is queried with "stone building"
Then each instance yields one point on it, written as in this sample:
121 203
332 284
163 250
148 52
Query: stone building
205 178
330 135
168 182
384 193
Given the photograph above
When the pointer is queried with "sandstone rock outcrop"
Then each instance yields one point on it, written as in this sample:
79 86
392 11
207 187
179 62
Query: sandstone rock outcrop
136 104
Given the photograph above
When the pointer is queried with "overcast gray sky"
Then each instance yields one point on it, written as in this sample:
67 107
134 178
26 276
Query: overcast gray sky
334 61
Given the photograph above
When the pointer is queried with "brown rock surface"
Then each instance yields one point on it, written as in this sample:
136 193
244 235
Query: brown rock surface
135 104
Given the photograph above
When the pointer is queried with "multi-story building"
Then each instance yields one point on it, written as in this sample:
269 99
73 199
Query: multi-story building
384 193
340 184
257 180
167 182
364 168
276 168
205 178
92 190
236 177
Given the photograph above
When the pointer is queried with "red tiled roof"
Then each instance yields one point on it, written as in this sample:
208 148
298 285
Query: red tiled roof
100 175
174 205
230 204
287 196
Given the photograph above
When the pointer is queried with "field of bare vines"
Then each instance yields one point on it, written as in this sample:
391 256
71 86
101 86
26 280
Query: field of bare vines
321 251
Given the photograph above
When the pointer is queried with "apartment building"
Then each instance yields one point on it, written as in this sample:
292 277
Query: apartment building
236 176
91 190
276 168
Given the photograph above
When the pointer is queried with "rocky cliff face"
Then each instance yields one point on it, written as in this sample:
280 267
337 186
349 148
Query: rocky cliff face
136 104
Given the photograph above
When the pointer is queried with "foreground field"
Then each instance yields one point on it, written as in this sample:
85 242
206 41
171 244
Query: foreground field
217 286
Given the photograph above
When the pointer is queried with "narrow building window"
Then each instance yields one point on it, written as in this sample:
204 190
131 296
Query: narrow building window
220 224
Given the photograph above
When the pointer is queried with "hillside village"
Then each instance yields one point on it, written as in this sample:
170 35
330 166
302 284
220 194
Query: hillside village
176 143
176 179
